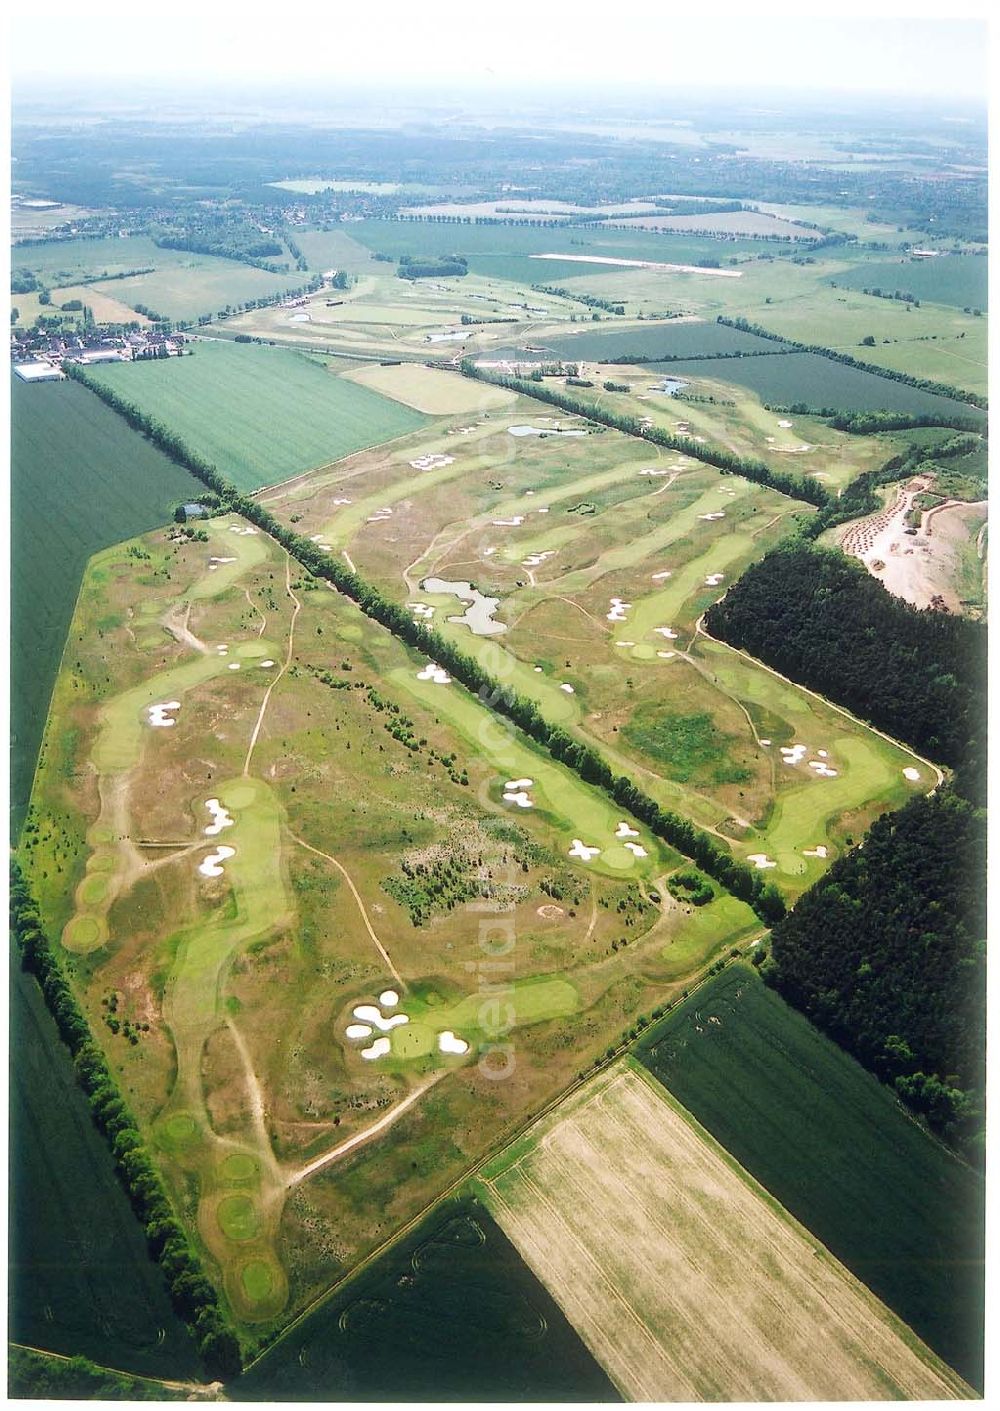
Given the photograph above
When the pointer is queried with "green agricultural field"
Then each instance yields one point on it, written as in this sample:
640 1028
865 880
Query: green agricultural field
831 1144
816 381
283 413
646 340
451 1312
960 280
81 480
81 1279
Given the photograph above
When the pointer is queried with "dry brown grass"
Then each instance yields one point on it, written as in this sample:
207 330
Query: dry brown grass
685 1280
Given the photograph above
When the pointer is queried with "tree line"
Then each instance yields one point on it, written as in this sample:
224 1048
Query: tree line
887 954
821 619
191 1293
737 877
923 384
795 486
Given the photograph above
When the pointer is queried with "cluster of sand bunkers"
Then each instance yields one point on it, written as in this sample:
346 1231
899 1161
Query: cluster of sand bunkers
435 673
371 1017
794 755
585 852
211 864
318 540
432 461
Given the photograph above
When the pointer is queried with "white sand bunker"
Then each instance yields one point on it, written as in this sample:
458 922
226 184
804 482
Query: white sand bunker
823 754
666 573
624 643
818 851
519 783
315 538
221 818
211 866
450 1043
542 509
223 650
912 774
714 514
234 666
431 462
666 655
667 632
654 470
823 770
624 830
358 1031
384 513
371 1014
618 610
158 713
213 561
388 999
765 742
784 425
421 609
713 580
519 797
514 520
376 1050
242 529
434 673
582 851
565 686
533 560
341 500
637 849
268 662
793 754
760 859
537 668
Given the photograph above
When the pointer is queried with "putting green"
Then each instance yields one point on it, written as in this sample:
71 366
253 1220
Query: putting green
93 889
257 1280
178 1130
84 934
239 1167
482 1017
238 1218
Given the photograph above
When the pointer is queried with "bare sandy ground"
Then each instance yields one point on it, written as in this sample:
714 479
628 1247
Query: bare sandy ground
923 568
683 1280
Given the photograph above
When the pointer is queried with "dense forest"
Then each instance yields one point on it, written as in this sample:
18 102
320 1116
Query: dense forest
823 620
887 954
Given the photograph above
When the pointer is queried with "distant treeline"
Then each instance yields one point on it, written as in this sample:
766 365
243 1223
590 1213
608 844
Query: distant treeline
429 267
637 359
591 300
782 481
874 423
191 1293
737 877
821 619
923 384
887 954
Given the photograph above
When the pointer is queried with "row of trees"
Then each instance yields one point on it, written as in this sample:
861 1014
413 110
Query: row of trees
784 482
820 618
191 1293
738 878
924 384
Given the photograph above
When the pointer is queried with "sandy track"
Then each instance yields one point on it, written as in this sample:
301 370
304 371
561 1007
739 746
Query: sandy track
359 1138
361 906
682 1279
287 663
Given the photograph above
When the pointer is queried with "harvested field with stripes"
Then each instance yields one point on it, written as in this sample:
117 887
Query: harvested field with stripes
685 1279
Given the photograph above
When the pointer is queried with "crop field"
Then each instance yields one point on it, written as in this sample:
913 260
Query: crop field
683 1278
283 413
815 380
960 280
179 284
557 529
81 480
435 392
463 1315
181 841
81 1281
646 340
830 1143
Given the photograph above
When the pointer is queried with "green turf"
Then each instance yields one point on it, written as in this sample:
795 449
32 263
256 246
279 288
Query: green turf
832 1145
81 481
261 415
449 1313
646 340
257 1280
238 1218
725 921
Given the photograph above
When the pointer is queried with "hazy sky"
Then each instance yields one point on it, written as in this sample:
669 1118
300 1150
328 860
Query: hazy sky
869 47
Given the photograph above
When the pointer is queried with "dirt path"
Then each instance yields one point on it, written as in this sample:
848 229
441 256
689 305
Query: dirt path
256 609
359 1138
257 1105
361 906
198 1391
288 661
180 631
